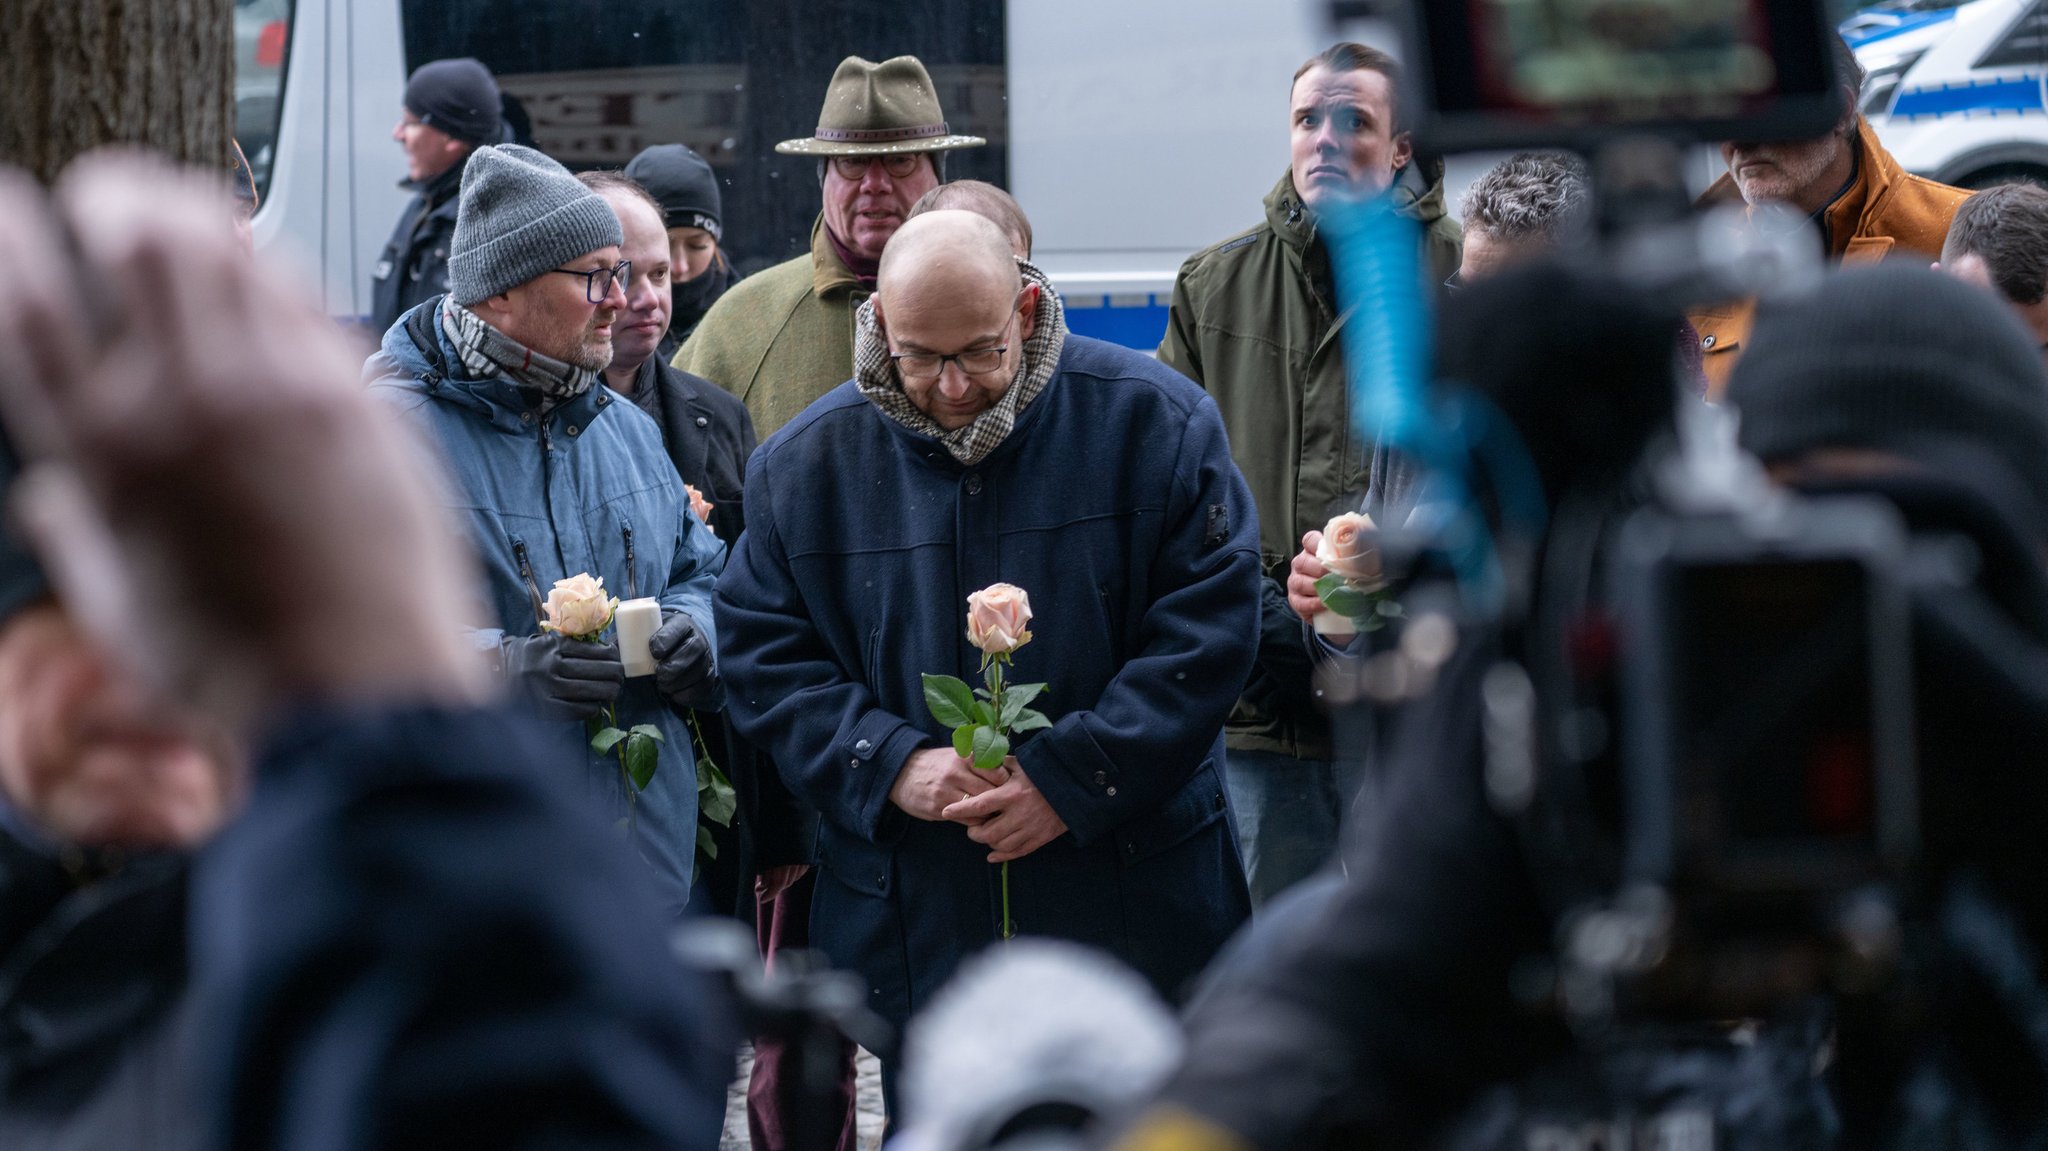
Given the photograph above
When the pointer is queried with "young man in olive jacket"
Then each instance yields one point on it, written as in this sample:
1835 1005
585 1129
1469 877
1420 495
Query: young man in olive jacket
1255 321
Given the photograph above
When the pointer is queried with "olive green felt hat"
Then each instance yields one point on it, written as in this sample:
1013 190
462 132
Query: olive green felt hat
876 109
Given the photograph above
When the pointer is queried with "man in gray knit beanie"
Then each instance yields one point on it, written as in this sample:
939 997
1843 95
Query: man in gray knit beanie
558 476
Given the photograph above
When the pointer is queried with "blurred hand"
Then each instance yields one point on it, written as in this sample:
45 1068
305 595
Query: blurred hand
934 777
218 497
770 884
568 677
684 672
1012 819
1302 575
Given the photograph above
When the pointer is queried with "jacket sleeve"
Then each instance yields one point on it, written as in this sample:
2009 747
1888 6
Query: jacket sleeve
1177 349
1161 713
834 745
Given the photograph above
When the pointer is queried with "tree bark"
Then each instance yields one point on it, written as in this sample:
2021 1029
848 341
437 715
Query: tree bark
82 74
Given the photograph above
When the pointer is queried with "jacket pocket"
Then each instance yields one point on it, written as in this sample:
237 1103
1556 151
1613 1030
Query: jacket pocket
1194 807
855 863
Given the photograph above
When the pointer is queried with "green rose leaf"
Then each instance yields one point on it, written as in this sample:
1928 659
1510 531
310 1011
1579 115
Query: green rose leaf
641 756
1029 720
963 739
985 715
949 699
1016 699
716 799
604 741
990 749
650 731
706 844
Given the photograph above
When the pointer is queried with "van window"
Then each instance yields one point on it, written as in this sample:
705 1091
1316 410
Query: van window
263 36
2024 44
592 83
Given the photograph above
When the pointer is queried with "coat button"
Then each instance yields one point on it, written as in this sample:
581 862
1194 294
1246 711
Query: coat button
1707 342
863 747
573 429
973 485
853 763
1110 792
603 399
1101 778
702 422
526 417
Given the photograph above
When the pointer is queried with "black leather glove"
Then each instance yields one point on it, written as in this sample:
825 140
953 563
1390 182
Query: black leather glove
684 672
568 677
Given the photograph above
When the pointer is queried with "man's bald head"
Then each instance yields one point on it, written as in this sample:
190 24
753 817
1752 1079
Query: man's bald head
949 297
947 254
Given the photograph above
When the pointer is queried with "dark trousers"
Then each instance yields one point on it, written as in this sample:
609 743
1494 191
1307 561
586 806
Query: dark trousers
786 923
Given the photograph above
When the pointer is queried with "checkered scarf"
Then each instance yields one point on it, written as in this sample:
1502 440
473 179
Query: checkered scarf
875 375
485 352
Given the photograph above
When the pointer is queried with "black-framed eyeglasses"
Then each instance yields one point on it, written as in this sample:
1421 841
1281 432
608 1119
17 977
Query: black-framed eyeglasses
925 366
897 164
597 282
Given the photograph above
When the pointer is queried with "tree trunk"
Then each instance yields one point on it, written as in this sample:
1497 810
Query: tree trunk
80 74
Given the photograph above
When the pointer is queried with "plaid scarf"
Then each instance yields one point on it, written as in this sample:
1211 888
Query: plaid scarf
485 352
875 375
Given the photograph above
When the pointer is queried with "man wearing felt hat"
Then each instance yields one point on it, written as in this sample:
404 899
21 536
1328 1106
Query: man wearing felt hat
784 337
451 108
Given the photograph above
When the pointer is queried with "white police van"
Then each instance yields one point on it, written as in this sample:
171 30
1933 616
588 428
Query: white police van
1133 133
1958 89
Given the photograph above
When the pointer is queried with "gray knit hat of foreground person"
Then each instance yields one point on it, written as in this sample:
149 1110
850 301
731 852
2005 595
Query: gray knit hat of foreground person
1896 358
520 215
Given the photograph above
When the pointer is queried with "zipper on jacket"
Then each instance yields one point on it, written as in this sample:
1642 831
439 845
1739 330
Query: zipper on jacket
632 572
526 574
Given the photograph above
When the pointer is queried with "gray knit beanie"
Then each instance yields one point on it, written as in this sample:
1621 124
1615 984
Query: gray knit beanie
1898 358
520 215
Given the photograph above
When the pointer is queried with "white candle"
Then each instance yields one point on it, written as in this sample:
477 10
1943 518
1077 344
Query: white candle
637 620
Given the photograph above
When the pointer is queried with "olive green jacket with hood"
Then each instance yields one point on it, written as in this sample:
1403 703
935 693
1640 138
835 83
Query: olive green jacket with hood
1254 321
782 337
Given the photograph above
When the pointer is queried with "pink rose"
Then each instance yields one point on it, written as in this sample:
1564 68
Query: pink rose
996 618
1347 548
577 607
699 504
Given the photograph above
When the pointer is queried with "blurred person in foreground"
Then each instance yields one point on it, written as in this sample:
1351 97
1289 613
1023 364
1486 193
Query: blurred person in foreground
1255 321
693 211
1999 241
985 200
784 336
417 934
972 415
1403 1009
555 478
452 108
1863 204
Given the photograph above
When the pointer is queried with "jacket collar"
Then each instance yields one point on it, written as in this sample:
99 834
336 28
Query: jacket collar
419 348
829 274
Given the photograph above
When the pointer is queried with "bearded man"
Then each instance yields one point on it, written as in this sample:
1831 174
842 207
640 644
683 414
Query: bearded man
1866 206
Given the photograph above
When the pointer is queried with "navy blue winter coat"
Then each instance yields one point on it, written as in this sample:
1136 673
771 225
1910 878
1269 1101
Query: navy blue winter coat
1116 506
587 487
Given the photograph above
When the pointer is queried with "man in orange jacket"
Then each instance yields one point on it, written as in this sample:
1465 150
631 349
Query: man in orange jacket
1866 206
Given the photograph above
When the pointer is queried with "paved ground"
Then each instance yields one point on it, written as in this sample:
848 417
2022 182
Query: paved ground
869 1098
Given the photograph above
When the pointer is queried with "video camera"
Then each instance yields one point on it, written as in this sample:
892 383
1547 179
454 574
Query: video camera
1762 719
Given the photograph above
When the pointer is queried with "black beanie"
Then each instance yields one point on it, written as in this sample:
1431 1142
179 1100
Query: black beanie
683 183
1900 358
458 97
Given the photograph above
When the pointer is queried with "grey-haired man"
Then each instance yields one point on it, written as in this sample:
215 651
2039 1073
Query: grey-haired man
558 476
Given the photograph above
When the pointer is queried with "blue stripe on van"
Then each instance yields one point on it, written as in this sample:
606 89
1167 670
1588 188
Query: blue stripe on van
1906 24
2020 94
1124 321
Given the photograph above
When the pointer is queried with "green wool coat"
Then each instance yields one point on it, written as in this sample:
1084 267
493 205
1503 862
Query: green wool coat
780 338
1254 321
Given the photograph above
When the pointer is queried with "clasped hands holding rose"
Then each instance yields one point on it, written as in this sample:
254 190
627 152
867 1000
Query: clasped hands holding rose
1000 809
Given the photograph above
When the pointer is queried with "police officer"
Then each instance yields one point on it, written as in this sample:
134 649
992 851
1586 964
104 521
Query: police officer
451 107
